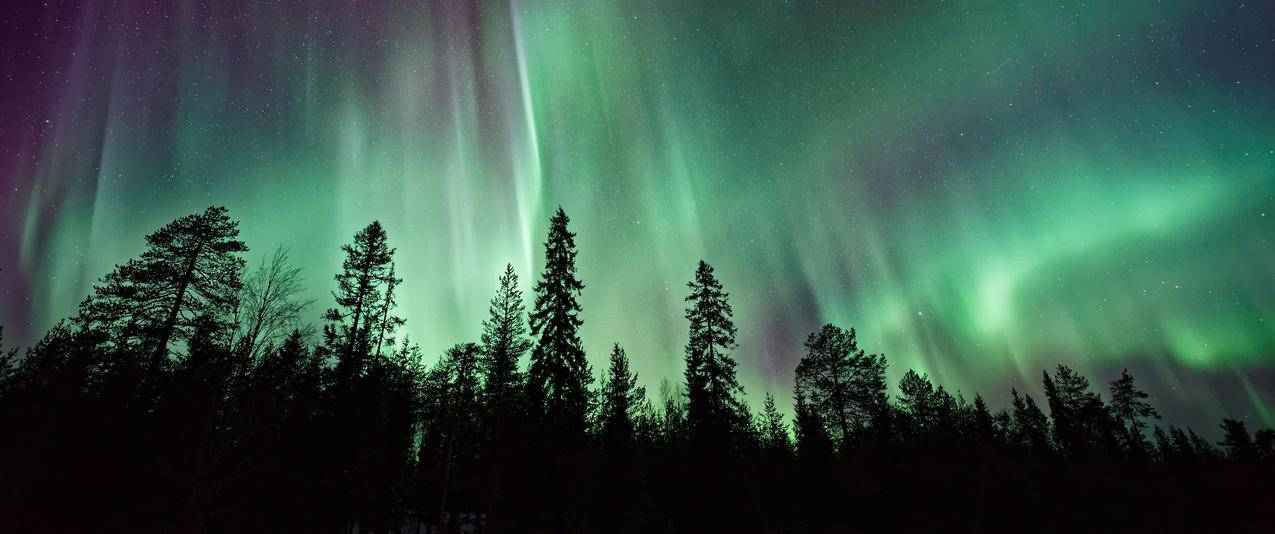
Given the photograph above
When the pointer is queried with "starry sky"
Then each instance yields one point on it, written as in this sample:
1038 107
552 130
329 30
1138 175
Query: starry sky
982 189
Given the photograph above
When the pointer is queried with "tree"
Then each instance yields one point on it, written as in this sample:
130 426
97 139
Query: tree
1264 441
621 398
1164 445
1031 427
269 306
387 323
451 439
559 377
504 342
360 294
1129 408
775 441
714 409
843 383
814 445
1237 442
917 403
1082 423
983 423
190 271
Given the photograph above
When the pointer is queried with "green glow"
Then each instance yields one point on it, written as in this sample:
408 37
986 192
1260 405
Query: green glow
982 191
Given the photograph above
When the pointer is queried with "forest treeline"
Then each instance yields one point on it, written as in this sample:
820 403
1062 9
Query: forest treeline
188 394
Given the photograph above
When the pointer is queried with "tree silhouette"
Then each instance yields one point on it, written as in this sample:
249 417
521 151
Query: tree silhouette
844 384
244 425
1129 408
504 342
190 271
1082 423
621 397
776 443
559 376
1264 443
1031 427
1236 441
360 294
918 404
452 437
814 444
713 409
387 324
269 307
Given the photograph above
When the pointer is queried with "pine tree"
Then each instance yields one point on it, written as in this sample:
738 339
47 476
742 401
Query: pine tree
621 398
504 342
1164 445
917 403
843 383
361 285
1237 442
1082 423
189 271
1031 427
1201 447
559 377
776 443
1183 448
714 409
1128 407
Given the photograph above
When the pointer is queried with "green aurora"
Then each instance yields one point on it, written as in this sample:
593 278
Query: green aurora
982 189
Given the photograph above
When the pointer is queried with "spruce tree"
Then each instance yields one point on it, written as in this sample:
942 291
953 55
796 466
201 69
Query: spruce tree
558 378
776 443
714 410
983 423
843 383
621 397
504 342
190 271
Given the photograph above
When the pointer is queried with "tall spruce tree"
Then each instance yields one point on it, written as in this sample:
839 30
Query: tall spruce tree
843 383
621 398
713 408
558 378
775 441
190 272
504 342
360 297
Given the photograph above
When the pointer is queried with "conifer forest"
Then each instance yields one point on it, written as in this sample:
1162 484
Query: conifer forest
594 266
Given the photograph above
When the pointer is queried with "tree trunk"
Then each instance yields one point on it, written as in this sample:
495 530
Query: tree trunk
166 333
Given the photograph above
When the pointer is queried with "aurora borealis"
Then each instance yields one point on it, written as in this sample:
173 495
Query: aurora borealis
982 189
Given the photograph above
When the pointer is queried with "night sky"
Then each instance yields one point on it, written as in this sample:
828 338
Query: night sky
982 189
